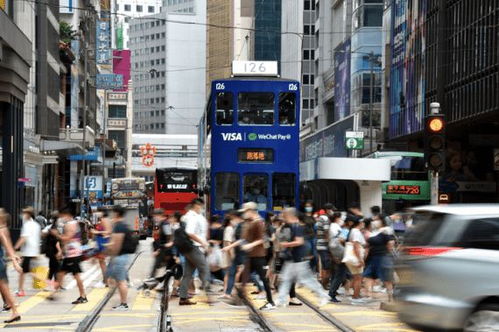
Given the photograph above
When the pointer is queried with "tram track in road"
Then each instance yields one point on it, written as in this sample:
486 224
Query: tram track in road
89 321
255 314
325 315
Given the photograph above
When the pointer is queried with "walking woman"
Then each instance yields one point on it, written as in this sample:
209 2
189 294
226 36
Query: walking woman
4 285
359 242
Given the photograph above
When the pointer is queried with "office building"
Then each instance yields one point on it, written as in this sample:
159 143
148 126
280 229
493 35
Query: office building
168 65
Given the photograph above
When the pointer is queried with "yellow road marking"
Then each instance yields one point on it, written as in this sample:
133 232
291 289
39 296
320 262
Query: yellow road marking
94 297
366 313
377 326
209 313
144 303
302 324
126 314
194 320
121 327
33 301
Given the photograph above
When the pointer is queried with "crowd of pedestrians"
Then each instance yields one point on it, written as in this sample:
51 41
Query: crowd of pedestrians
331 252
63 239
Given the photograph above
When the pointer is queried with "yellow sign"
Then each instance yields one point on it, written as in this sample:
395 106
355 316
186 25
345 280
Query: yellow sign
2 4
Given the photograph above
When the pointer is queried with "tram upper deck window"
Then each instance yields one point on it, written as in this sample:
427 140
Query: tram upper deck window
256 189
256 108
287 109
226 191
225 109
283 191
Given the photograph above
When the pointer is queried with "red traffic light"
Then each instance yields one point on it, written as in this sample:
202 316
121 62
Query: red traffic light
436 124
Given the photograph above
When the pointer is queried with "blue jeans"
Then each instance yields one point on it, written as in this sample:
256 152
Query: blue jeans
232 278
340 274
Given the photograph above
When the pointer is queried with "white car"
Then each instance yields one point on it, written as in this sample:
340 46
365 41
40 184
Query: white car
449 269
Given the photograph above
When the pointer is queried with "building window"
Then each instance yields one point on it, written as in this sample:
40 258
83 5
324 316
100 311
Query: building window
305 103
162 125
162 86
150 9
151 113
163 61
152 100
117 111
152 49
128 8
157 113
163 47
306 55
162 112
312 54
138 8
308 30
306 79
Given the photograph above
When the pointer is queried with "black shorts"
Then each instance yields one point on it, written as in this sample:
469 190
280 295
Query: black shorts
26 264
71 265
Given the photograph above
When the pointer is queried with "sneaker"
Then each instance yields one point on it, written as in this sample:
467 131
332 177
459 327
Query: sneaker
358 301
295 303
120 307
100 284
20 294
379 289
261 297
186 302
80 300
268 306
334 300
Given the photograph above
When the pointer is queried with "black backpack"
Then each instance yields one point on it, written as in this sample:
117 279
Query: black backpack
181 240
130 242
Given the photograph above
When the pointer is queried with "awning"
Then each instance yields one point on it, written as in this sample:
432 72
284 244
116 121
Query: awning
61 146
355 169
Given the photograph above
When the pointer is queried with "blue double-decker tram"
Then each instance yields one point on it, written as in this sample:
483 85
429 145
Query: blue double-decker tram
249 144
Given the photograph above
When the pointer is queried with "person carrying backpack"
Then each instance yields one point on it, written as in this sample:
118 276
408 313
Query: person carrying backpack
121 245
195 233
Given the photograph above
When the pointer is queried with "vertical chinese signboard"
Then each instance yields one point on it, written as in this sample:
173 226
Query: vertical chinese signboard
103 35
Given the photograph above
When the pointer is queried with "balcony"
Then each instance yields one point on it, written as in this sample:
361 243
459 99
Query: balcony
75 135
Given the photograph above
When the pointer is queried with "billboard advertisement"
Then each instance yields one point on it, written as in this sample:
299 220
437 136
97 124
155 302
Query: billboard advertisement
329 142
407 83
121 66
342 61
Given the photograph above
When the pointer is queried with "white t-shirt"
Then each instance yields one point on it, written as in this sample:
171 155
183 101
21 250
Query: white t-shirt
31 231
356 236
334 234
196 224
229 235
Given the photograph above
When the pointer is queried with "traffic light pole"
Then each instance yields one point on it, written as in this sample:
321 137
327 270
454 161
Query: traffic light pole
434 188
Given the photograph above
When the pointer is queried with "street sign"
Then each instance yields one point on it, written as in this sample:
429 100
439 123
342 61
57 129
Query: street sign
354 140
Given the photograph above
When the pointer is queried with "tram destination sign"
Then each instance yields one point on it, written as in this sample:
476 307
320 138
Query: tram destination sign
254 68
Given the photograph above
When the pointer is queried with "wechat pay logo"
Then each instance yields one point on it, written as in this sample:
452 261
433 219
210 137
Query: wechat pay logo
252 136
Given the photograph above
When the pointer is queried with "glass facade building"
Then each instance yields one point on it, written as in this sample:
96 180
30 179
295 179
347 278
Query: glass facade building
268 30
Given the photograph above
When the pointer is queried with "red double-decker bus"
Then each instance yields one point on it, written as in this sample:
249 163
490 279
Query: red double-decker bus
174 188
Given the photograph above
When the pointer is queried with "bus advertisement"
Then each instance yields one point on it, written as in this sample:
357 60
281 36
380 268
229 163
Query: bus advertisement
130 194
249 144
174 188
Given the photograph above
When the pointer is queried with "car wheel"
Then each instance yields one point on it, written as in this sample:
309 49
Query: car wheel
485 318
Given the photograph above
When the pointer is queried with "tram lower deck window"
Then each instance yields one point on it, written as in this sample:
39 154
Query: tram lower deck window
226 191
256 108
256 189
283 190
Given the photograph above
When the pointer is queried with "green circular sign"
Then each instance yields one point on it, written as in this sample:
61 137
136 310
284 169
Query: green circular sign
351 143
252 136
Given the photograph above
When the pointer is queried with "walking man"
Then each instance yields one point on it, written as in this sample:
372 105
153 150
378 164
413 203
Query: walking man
119 248
71 243
30 243
196 228
254 236
296 268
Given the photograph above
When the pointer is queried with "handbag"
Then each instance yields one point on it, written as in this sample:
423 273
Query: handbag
349 256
